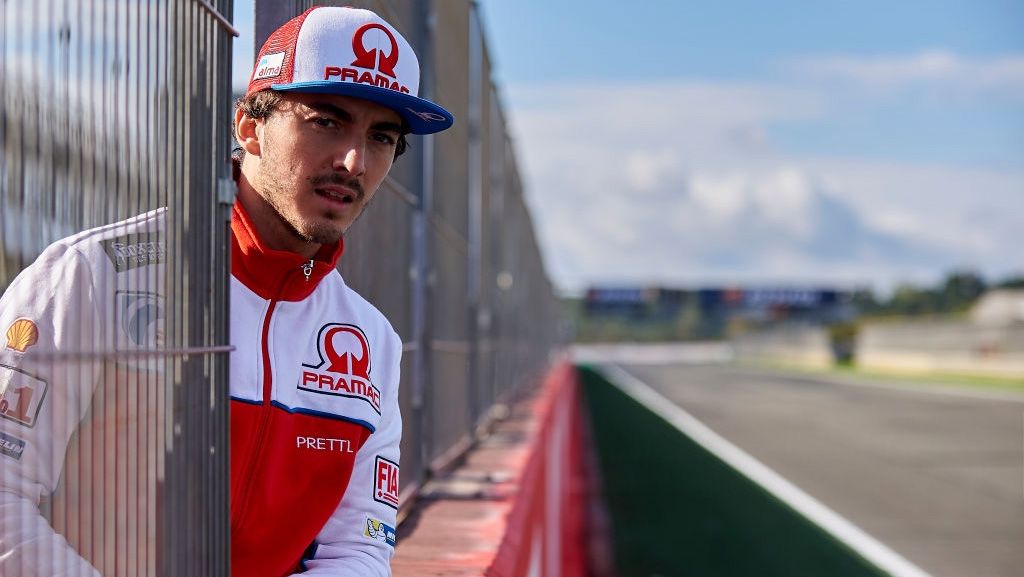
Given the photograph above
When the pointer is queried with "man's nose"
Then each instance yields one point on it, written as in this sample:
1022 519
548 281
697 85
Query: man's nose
352 157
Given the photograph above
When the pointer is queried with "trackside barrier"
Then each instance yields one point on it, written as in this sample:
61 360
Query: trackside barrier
545 536
516 505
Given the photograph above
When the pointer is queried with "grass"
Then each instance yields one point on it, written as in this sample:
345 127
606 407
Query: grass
950 379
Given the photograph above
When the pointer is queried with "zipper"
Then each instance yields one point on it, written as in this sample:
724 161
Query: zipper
265 410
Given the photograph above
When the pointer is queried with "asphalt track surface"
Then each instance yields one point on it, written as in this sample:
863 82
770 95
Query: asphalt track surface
936 476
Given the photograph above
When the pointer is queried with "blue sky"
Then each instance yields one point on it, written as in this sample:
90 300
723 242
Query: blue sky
772 143
790 142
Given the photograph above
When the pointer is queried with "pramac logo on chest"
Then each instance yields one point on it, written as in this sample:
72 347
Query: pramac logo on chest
343 369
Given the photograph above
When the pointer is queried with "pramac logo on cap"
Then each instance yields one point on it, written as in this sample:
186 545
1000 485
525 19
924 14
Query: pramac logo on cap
373 58
373 66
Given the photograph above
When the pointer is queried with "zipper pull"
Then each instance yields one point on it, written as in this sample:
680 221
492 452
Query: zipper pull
307 269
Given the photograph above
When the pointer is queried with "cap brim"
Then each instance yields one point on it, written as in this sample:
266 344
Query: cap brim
422 116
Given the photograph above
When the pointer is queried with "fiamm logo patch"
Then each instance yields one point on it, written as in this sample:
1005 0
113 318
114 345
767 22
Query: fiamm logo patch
385 488
11 446
379 531
21 396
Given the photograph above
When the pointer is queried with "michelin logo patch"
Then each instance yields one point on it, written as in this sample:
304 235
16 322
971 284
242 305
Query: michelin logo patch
135 250
378 530
13 447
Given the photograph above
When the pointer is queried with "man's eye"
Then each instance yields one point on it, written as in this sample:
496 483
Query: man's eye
384 138
324 122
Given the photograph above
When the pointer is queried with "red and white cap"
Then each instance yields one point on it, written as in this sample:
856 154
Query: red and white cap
352 52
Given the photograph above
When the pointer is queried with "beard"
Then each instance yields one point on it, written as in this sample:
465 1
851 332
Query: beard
276 188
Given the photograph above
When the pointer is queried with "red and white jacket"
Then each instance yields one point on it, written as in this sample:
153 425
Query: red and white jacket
315 422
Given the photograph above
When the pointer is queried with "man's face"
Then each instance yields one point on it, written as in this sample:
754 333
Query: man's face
321 158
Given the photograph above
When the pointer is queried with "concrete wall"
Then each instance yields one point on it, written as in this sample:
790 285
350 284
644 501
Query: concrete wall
804 346
942 347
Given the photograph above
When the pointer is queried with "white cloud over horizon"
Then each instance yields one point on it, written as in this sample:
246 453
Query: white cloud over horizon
680 183
932 66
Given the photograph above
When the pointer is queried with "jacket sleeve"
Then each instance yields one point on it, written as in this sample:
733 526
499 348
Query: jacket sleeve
358 539
50 307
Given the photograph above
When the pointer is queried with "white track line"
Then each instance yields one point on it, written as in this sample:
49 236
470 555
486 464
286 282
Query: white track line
843 530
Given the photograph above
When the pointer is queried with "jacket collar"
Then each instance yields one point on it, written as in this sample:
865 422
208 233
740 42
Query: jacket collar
276 274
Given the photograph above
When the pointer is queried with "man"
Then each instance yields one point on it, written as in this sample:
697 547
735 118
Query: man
330 100
315 423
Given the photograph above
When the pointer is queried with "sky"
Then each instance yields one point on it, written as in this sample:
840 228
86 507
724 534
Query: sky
787 143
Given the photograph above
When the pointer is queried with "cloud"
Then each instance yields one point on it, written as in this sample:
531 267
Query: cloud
928 67
679 184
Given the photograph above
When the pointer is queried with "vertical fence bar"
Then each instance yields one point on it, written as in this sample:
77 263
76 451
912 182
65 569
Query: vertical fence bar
422 267
475 176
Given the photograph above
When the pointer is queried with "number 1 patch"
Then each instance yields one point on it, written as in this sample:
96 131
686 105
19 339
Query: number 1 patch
21 396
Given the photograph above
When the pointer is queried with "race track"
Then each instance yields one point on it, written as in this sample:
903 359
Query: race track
934 474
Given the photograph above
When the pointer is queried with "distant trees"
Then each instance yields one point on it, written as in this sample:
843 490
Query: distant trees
955 294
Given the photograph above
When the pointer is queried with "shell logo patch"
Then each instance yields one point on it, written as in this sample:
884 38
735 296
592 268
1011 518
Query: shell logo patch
22 334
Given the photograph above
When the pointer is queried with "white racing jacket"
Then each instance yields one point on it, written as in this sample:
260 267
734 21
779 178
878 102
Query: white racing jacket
315 423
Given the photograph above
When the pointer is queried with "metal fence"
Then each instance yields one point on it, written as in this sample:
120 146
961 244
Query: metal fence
111 108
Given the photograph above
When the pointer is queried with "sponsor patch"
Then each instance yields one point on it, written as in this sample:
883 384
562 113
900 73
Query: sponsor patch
11 446
378 530
135 250
427 115
22 334
269 66
374 58
140 318
385 488
343 368
324 444
21 396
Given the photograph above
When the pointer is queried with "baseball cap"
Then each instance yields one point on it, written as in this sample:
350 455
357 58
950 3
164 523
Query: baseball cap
351 52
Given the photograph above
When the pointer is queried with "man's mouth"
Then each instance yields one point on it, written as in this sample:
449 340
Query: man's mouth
338 194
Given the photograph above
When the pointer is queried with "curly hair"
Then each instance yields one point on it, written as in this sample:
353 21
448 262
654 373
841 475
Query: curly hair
260 105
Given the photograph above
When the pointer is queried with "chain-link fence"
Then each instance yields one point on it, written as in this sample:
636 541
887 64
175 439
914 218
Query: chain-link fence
118 111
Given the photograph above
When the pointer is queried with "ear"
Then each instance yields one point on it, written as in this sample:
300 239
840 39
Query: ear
246 132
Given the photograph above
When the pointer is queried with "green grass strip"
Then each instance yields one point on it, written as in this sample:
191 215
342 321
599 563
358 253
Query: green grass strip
970 381
677 510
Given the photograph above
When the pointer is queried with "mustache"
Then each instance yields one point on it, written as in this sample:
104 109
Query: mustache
338 180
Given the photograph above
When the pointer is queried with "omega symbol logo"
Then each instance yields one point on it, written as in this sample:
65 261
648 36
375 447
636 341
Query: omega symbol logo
373 58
